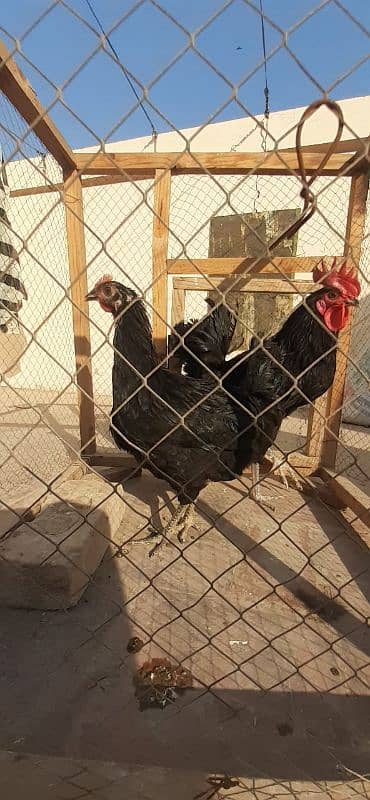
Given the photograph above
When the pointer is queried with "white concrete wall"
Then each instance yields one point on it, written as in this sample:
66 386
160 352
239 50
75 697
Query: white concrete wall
119 226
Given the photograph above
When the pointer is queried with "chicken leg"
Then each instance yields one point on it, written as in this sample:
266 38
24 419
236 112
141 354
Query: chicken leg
256 493
179 525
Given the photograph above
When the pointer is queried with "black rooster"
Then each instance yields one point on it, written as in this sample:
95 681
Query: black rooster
285 371
183 429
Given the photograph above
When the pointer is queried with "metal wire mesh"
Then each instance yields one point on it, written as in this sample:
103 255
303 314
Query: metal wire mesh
264 610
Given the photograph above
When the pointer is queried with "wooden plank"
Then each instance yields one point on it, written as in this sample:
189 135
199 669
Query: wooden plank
244 284
33 190
357 145
80 311
20 93
87 183
316 427
177 315
270 163
354 236
128 465
352 495
288 265
178 305
162 194
111 459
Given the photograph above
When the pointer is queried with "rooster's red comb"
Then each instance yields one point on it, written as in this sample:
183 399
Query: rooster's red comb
103 279
343 278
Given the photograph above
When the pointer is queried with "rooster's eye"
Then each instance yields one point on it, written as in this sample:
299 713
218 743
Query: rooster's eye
332 295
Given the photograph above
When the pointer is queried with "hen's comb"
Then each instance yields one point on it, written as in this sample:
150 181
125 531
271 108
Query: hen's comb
103 279
343 278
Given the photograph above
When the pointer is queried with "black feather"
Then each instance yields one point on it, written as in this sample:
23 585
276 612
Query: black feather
208 339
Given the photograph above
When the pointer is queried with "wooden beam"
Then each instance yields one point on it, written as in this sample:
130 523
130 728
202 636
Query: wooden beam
161 218
230 266
352 495
127 465
354 236
20 93
47 188
80 312
244 284
357 145
177 315
270 163
87 183
178 305
111 459
316 427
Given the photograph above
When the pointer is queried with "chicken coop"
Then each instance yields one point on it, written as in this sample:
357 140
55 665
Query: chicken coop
252 637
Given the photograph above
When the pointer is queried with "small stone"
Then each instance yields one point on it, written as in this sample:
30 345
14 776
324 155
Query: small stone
134 645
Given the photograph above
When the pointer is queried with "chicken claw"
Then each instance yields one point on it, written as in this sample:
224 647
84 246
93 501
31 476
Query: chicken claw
179 525
289 476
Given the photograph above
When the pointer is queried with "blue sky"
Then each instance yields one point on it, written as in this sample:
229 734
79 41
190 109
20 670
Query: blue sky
328 44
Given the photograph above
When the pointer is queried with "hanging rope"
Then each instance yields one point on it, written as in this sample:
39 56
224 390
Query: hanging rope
263 129
310 201
266 89
124 70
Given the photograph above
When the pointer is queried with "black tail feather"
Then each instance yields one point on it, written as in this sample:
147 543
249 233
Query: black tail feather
208 339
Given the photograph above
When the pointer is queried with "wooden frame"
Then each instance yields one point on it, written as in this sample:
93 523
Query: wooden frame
351 158
354 235
274 283
161 219
17 89
180 163
80 314
288 265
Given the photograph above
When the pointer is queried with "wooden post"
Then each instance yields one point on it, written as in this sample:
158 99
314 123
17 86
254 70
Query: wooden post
20 93
72 196
162 192
354 236
316 427
177 315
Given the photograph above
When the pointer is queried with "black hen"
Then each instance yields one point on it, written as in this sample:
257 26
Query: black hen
297 365
183 429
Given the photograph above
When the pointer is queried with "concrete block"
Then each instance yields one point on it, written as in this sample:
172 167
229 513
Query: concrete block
48 556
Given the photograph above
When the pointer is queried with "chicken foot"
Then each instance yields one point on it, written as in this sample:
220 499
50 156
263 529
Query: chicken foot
179 525
281 467
256 493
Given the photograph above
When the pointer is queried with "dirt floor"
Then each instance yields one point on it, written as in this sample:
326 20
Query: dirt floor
268 610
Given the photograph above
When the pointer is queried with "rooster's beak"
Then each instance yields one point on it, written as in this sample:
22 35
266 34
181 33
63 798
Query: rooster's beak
353 302
91 295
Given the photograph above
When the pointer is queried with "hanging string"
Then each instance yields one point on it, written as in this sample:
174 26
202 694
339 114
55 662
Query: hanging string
124 70
263 129
266 89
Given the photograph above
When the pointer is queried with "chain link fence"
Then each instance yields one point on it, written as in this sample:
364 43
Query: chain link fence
246 648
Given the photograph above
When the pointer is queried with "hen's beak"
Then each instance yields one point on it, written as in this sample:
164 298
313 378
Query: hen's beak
92 295
352 302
